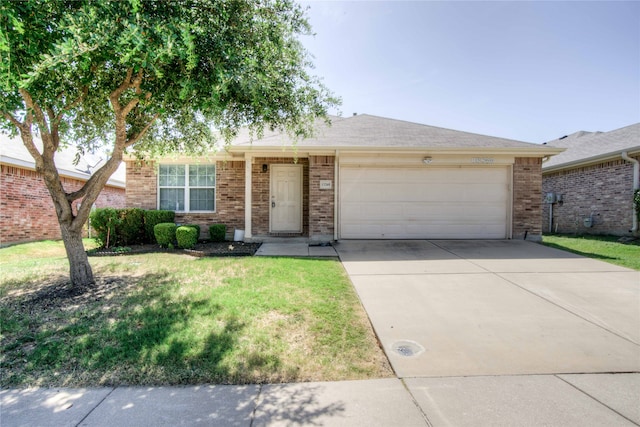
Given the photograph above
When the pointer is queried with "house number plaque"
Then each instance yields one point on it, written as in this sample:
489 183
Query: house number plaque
482 160
325 184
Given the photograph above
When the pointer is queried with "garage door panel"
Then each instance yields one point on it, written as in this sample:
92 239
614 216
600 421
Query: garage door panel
423 203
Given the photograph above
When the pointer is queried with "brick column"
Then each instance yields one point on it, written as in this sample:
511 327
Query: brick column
527 199
321 201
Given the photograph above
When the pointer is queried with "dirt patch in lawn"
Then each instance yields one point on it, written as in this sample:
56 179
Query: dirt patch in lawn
202 249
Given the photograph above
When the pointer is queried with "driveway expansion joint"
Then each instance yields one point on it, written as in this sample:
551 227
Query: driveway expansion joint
597 400
96 406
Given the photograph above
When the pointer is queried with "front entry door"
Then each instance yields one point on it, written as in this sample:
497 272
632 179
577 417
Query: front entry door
286 199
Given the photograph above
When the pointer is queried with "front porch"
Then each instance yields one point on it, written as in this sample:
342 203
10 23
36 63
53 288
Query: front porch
284 201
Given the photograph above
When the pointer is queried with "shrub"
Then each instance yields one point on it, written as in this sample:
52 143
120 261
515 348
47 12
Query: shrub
105 222
636 202
187 236
217 232
130 229
165 234
196 226
153 218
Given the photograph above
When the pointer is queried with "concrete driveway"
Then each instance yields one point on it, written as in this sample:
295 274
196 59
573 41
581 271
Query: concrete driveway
475 308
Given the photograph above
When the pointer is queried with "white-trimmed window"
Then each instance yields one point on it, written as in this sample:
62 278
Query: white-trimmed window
187 188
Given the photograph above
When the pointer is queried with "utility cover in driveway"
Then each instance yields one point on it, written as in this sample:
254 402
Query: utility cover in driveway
475 320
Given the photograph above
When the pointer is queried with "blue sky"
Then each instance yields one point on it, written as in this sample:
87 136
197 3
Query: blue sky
531 71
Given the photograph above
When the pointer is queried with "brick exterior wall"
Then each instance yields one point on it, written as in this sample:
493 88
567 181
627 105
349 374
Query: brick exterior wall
318 205
321 202
260 203
142 192
26 210
604 189
527 199
142 185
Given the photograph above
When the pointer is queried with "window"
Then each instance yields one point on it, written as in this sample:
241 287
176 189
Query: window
187 188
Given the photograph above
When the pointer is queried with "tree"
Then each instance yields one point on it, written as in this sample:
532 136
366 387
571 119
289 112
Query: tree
157 76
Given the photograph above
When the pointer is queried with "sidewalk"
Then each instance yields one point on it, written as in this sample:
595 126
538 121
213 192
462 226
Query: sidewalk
296 250
413 400
532 400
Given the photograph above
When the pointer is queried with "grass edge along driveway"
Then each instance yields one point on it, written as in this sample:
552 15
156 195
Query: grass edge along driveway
604 248
168 319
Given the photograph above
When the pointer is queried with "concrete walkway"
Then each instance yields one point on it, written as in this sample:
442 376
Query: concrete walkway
296 250
499 333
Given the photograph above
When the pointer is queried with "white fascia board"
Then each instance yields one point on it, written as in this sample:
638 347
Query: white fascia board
306 151
614 155
17 162
23 164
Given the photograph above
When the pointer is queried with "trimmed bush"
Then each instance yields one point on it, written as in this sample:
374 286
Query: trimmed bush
217 232
196 226
153 218
165 234
130 229
187 236
105 222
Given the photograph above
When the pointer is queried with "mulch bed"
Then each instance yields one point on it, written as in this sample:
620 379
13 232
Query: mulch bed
202 249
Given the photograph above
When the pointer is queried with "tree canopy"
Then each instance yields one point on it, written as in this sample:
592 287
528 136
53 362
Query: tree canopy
159 76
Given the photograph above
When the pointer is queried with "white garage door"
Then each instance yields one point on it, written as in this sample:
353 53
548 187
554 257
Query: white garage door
424 203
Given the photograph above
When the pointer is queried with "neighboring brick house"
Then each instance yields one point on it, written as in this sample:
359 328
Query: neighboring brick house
26 210
363 177
592 183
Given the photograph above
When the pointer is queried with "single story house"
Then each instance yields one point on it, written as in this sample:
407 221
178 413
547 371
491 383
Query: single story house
589 187
363 177
26 210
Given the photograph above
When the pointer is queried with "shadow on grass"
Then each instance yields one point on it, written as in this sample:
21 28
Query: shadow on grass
122 331
577 252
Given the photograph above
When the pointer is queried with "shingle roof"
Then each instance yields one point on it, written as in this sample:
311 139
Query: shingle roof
366 131
13 152
586 147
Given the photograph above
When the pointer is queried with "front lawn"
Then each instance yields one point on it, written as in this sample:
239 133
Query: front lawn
164 318
605 248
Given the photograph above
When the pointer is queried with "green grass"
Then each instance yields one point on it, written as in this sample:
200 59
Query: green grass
163 318
605 248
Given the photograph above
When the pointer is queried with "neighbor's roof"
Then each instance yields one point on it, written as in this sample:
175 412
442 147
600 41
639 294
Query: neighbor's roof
14 153
365 132
589 147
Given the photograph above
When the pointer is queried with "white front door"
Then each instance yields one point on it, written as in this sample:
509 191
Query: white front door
286 199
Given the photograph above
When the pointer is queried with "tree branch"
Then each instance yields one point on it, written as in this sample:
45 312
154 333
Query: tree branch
31 105
136 137
130 106
54 126
115 95
92 187
13 120
135 84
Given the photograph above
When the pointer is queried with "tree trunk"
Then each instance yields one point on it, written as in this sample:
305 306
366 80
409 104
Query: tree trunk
79 267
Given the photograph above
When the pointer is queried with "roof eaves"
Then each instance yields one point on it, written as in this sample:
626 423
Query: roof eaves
23 164
541 151
590 160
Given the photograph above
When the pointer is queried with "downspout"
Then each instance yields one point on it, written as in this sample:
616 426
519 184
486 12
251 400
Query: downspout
336 196
636 186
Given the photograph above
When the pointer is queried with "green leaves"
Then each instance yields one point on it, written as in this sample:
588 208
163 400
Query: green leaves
195 65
